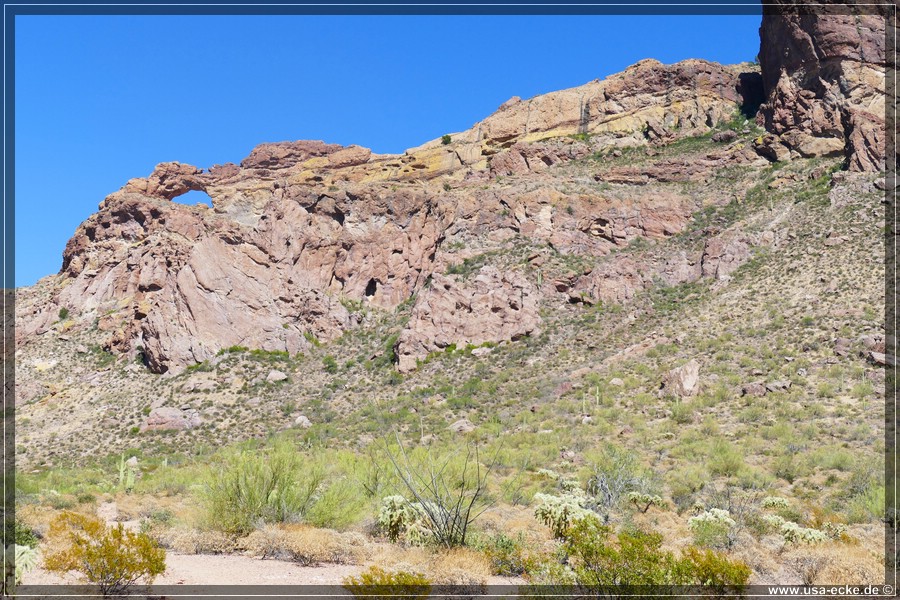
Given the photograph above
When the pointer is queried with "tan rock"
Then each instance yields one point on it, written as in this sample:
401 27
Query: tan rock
683 381
462 426
170 418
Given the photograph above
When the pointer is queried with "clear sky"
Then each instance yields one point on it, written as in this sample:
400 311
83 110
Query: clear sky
102 99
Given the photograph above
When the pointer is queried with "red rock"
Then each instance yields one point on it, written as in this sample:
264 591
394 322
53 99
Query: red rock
492 307
823 76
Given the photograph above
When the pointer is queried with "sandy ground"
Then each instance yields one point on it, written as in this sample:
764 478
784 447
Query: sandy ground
218 569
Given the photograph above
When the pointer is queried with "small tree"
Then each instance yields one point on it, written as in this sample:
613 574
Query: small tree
449 494
111 557
445 139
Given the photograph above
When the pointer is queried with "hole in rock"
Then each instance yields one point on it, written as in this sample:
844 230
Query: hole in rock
194 197
371 287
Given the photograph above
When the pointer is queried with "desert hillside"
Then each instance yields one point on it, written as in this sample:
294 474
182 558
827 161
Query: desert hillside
652 296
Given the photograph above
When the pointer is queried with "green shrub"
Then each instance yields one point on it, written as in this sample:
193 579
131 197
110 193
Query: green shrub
713 570
375 583
509 556
24 535
636 558
683 413
338 506
63 313
867 505
113 558
330 364
724 458
273 486
445 139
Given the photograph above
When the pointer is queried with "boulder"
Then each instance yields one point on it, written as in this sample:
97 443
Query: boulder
462 426
682 381
275 376
755 389
778 386
170 418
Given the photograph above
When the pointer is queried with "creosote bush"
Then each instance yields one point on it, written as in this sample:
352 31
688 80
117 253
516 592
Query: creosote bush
509 555
111 557
274 486
376 582
599 559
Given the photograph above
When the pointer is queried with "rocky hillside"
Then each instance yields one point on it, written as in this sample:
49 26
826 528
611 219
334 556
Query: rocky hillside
324 277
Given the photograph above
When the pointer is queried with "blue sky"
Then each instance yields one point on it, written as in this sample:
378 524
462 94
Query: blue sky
102 99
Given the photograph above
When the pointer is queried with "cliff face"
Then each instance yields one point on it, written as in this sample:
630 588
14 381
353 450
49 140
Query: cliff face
300 231
300 227
824 77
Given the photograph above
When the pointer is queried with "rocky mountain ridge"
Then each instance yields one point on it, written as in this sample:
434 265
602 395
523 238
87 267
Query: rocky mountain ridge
300 231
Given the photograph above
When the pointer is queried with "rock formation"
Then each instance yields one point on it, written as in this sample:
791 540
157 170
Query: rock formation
298 229
823 71
493 306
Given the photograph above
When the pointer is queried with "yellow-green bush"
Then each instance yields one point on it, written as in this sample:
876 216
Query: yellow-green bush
598 558
376 583
111 557
268 486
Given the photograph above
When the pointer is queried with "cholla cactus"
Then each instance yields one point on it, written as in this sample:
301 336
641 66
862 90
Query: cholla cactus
774 521
571 487
775 502
835 530
713 528
417 534
645 501
559 512
712 516
791 532
548 474
395 516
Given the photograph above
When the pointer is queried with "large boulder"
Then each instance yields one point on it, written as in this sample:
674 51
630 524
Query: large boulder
682 381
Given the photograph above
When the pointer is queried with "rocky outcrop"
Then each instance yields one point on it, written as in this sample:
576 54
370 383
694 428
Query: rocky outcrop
522 158
183 282
166 418
690 95
299 228
823 73
722 255
492 307
682 381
